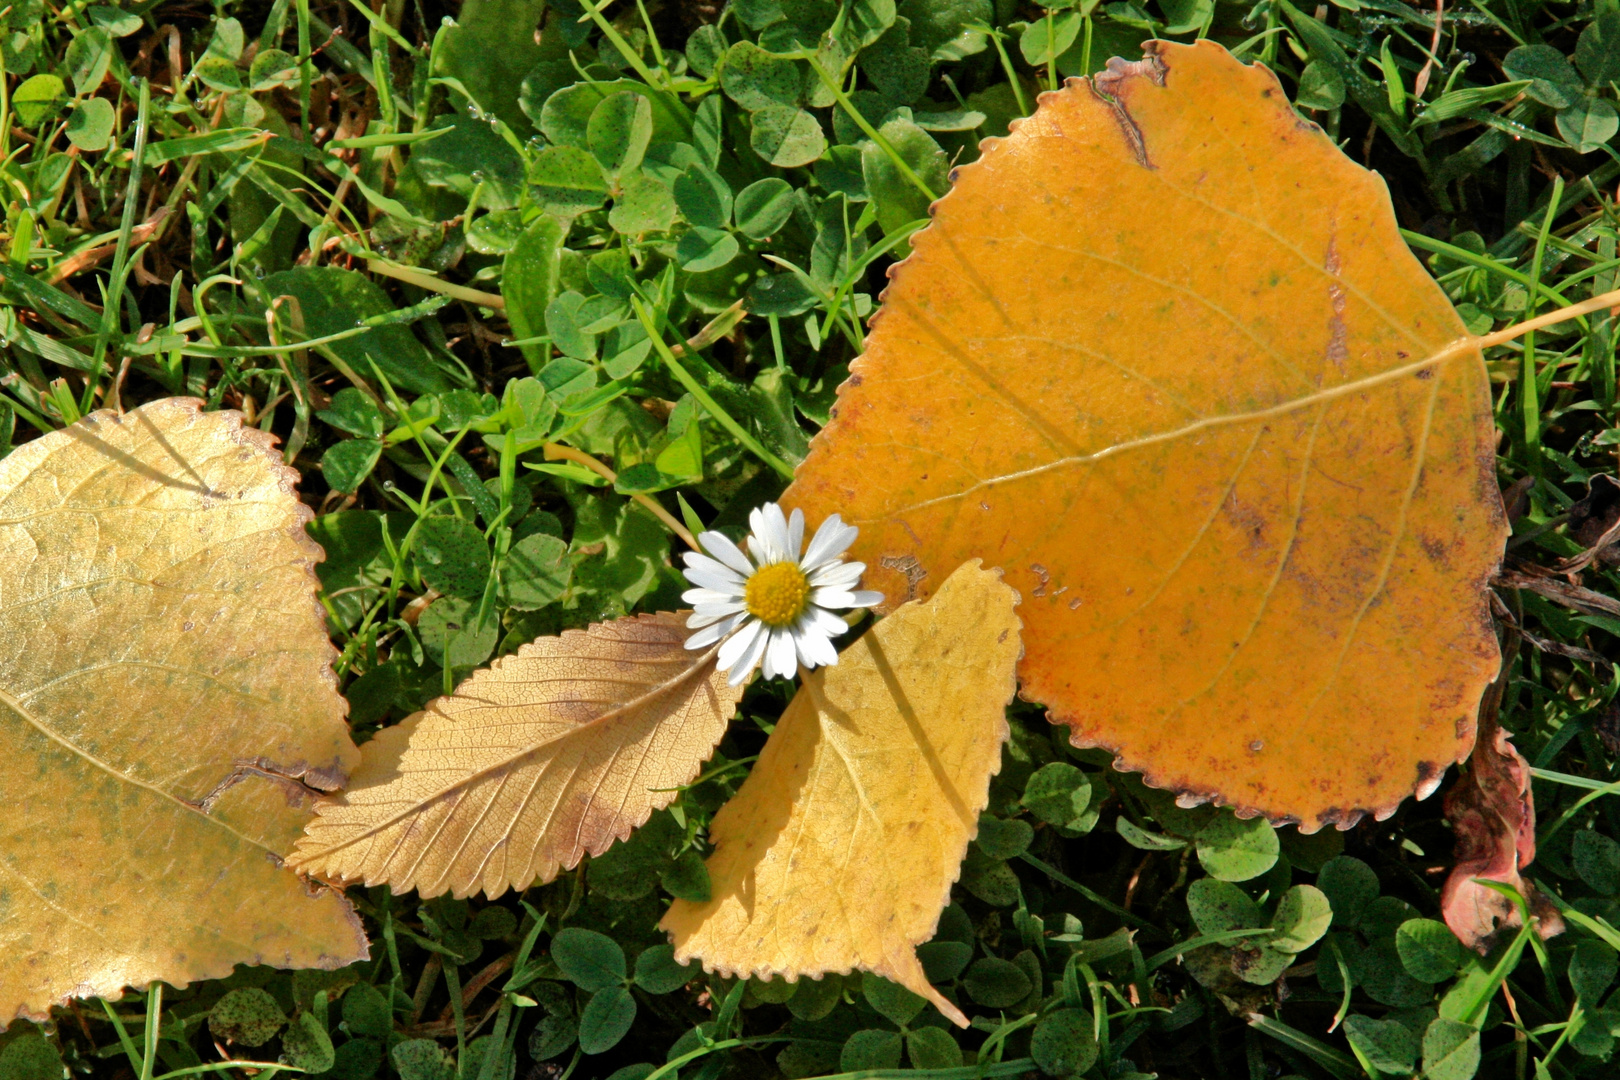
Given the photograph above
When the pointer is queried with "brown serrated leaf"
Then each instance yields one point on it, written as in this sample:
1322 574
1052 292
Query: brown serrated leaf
534 762
840 849
165 685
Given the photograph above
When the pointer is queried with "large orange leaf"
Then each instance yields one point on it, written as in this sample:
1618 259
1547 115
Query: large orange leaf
1163 356
167 708
840 848
532 763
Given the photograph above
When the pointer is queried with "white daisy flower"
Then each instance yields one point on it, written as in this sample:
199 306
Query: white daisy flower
775 608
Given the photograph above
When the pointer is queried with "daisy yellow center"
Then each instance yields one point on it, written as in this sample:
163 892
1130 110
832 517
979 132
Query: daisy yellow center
777 594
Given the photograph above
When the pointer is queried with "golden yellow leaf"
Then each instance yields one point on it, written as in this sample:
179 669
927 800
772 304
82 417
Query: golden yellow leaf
543 757
165 685
840 848
1189 388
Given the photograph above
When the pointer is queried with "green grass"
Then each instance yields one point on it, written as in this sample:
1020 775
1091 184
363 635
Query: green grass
418 252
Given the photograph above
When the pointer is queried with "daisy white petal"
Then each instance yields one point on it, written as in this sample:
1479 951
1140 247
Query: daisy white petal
738 644
833 597
715 581
795 533
720 546
781 659
815 648
724 607
867 598
712 633
825 621
695 561
832 539
750 658
840 574
698 618
710 596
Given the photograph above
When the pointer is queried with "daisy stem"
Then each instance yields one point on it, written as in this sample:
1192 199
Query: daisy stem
559 452
697 390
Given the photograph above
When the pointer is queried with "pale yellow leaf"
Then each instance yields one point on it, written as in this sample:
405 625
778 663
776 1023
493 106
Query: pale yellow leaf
543 757
841 847
165 685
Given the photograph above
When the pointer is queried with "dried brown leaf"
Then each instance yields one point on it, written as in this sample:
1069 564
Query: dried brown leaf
543 757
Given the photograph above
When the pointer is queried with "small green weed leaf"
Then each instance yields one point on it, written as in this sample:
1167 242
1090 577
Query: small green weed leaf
1596 859
1232 849
1552 80
1217 906
1381 973
272 68
1350 886
618 132
891 1000
1057 793
703 198
30 1057
1001 839
815 998
247 1016
606 1019
870 1049
755 79
354 412
1588 123
495 233
1065 1043
306 1045
90 125
688 879
658 973
1143 839
1259 965
493 924
703 249
1388 1045
556 1033
537 572
1591 969
332 300
899 70
116 22
38 99
787 137
1320 87
453 636
472 154
644 204
763 207
89 55
996 983
943 961
1302 917
528 282
347 464
940 27
490 48
591 960
991 880
366 1011
897 199
1450 1050
1429 951
472 1066
218 73
1597 50
867 21
422 1059
1045 39
567 181
453 556
704 50
932 1048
